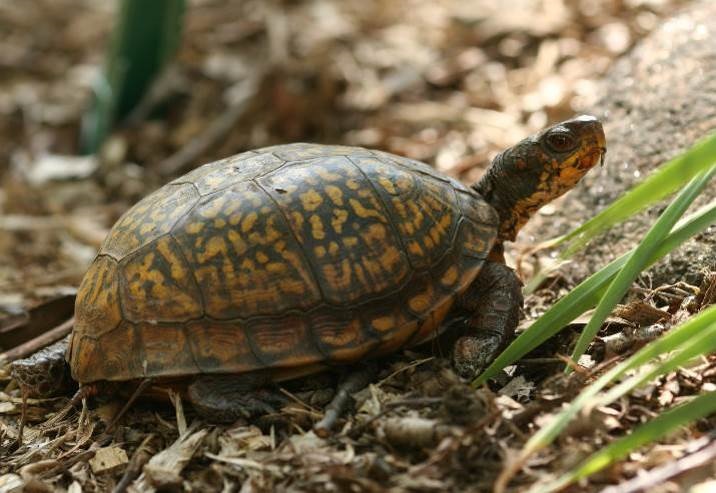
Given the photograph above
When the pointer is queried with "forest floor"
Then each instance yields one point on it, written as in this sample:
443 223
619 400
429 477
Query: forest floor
449 83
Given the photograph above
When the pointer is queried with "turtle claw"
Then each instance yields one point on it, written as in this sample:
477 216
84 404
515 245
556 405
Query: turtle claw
472 354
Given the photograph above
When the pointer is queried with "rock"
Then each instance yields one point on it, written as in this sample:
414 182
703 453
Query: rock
655 102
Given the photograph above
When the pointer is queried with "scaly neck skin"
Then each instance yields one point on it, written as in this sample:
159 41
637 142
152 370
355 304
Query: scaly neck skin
506 196
539 169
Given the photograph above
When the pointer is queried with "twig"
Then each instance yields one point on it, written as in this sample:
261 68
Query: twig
35 344
140 457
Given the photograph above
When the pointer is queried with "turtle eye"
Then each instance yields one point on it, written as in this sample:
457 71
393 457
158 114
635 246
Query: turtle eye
561 142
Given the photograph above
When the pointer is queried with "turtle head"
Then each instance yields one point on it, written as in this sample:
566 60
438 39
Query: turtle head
539 169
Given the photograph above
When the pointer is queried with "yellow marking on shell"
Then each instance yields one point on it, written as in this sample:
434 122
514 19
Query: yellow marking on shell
232 207
261 257
151 295
317 230
428 242
372 268
327 175
333 248
178 272
272 233
146 228
416 213
158 215
387 185
235 219
219 223
335 194
449 277
440 228
97 307
422 302
352 184
248 264
338 277
248 223
432 326
319 251
376 232
360 274
311 200
415 248
399 208
194 228
276 268
390 257
213 208
338 336
214 246
383 324
297 218
237 242
349 241
362 211
298 264
340 216
404 182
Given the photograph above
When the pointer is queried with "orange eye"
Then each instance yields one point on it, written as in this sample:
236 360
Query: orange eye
561 142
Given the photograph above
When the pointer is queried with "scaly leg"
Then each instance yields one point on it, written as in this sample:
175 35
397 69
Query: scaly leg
494 299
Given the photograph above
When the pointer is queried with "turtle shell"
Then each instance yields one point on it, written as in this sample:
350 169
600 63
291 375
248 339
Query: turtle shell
289 258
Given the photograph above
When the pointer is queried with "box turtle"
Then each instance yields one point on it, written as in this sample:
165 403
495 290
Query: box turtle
288 260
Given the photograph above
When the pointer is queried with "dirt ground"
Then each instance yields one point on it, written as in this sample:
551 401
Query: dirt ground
450 83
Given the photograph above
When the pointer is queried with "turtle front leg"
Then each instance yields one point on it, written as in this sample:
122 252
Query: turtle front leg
494 301
227 398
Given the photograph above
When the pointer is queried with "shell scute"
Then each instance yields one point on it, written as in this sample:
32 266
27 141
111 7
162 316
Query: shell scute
423 211
97 308
238 244
150 218
158 284
344 230
221 347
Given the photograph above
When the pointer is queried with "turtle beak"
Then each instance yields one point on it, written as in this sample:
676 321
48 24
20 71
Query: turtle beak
592 133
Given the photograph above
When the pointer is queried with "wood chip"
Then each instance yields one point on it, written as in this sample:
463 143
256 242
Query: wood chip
108 459
11 483
164 469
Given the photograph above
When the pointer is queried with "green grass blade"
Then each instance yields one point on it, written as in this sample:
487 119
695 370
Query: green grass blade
660 426
668 342
665 180
586 294
145 36
679 336
639 259
704 342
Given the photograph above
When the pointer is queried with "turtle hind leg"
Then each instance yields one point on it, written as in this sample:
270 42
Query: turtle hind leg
228 398
494 301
